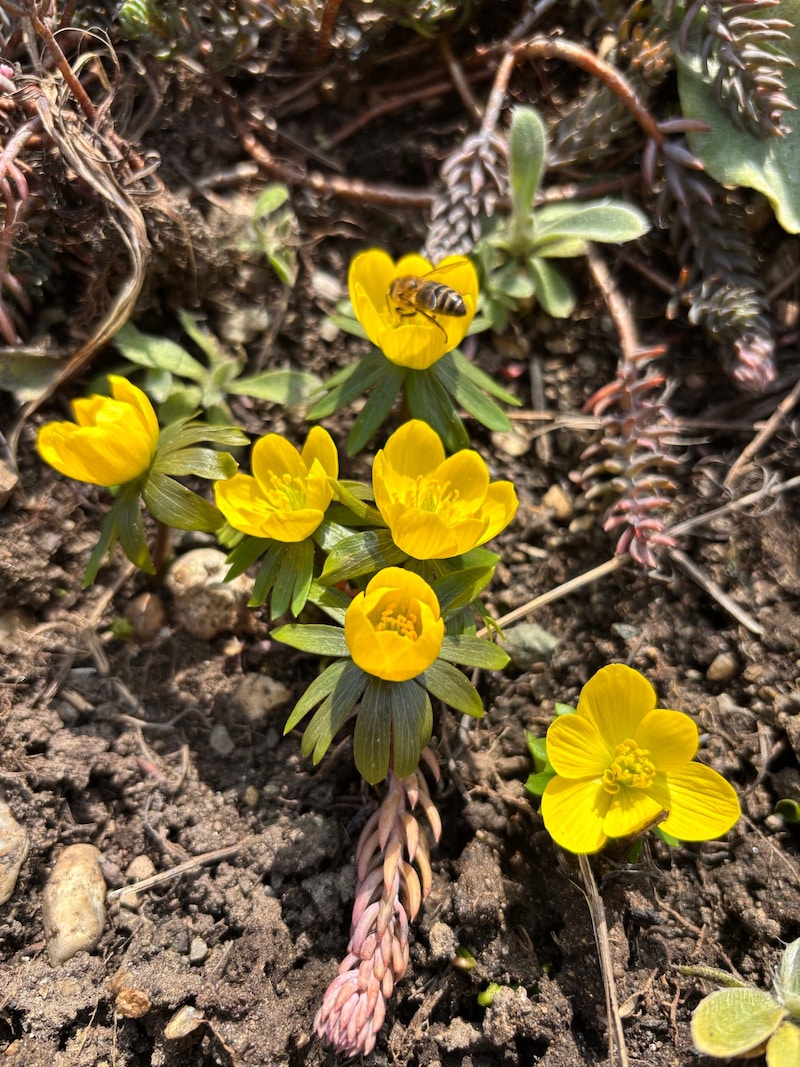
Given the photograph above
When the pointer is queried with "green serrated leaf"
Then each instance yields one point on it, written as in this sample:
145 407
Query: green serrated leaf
412 724
175 505
321 687
359 554
387 384
473 652
429 400
202 462
322 640
373 733
458 589
334 712
732 1022
348 384
448 684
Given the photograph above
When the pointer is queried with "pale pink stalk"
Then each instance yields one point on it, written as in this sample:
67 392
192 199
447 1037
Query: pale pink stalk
394 877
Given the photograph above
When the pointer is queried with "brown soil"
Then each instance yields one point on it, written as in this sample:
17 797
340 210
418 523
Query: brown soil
109 741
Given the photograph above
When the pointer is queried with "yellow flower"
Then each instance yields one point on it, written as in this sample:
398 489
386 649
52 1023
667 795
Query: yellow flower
286 496
622 764
112 441
407 337
435 507
394 629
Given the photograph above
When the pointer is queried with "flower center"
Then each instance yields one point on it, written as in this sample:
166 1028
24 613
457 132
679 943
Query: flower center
402 620
286 493
429 494
630 767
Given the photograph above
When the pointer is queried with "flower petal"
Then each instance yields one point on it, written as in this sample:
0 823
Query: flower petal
574 812
414 449
417 344
704 805
272 458
369 278
467 474
616 699
499 507
320 445
128 393
631 812
670 737
423 534
576 749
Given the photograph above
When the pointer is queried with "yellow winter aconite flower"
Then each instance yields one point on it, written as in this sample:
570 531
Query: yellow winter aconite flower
410 309
436 507
286 496
112 441
622 764
394 629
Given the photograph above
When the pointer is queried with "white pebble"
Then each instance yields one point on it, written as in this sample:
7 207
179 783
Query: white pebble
74 903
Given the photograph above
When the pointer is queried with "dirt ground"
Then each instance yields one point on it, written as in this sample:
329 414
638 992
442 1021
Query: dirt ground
157 753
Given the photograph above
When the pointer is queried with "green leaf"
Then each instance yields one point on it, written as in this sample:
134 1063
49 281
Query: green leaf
387 384
321 687
202 462
322 640
361 553
458 589
373 733
267 573
175 505
131 532
787 980
334 712
471 397
348 384
288 387
331 600
789 809
270 199
732 1022
245 554
428 399
527 141
735 157
473 652
464 369
157 352
553 291
292 579
537 783
607 221
205 341
183 434
448 684
109 533
412 723
357 507
783 1049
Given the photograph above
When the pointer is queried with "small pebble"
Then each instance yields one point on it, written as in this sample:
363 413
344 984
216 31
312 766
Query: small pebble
723 668
198 950
132 1003
559 502
511 442
528 643
74 903
205 605
184 1022
146 614
220 740
139 868
14 848
258 694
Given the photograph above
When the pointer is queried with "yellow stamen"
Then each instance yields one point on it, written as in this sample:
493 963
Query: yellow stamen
630 767
406 624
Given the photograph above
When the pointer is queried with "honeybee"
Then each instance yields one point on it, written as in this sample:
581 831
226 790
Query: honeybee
424 295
